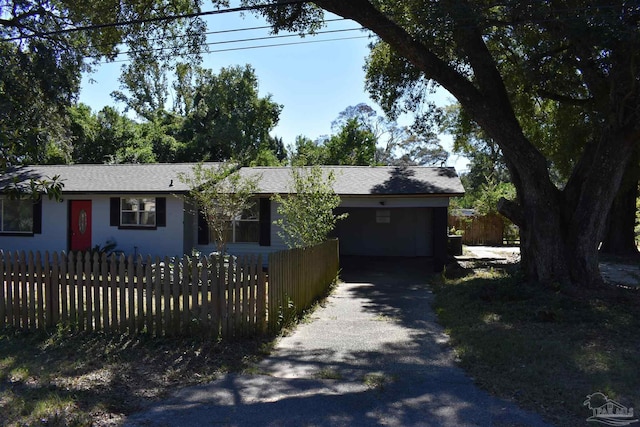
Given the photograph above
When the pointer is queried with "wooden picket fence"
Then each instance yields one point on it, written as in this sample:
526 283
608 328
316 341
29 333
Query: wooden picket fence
297 278
217 297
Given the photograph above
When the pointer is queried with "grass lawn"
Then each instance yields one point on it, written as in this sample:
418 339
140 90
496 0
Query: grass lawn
540 347
64 378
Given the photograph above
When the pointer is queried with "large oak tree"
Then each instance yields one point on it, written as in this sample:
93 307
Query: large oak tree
580 52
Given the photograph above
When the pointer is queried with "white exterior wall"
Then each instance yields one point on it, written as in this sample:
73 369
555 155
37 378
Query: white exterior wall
54 231
161 241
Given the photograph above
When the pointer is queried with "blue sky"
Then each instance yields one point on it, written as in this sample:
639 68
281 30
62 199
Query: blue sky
313 81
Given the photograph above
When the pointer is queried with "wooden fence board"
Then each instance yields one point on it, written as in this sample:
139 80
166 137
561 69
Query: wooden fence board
31 293
217 297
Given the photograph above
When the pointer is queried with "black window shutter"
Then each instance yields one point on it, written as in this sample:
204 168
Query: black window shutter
37 217
115 212
161 211
265 221
203 230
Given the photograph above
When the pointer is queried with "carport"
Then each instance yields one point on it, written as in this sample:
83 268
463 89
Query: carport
404 232
395 211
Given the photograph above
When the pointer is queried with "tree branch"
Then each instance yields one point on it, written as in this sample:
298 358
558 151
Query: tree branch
543 93
434 68
511 210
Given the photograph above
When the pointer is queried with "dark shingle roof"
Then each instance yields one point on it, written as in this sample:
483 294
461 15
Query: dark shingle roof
124 178
365 180
163 178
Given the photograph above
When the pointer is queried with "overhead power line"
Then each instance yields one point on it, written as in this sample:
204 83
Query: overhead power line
233 49
254 39
155 19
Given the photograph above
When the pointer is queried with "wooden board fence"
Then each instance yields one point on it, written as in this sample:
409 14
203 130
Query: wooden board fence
297 278
480 230
215 297
207 296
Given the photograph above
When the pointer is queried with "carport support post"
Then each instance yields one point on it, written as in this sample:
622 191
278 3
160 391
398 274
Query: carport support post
440 233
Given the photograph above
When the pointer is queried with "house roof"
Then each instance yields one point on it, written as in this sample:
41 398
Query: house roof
366 180
164 178
122 178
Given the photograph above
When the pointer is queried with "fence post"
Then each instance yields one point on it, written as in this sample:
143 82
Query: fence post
261 292
185 285
96 287
105 290
79 288
196 289
64 288
51 290
22 307
114 288
158 295
40 291
139 326
148 311
205 301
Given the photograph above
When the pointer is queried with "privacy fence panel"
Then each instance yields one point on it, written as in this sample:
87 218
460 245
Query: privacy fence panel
480 230
217 297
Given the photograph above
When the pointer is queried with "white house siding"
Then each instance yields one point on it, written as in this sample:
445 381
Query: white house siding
155 242
161 241
54 231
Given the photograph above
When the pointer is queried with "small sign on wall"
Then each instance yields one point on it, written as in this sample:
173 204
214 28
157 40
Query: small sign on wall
383 216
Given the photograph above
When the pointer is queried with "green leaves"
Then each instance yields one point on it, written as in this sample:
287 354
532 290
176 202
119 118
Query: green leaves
307 211
46 45
226 119
221 194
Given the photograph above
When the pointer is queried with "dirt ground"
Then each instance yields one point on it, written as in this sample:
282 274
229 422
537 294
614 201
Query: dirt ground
615 273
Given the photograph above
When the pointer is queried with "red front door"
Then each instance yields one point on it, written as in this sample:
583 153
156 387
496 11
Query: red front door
80 226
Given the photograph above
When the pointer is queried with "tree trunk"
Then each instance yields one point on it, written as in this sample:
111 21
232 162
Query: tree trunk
620 235
560 229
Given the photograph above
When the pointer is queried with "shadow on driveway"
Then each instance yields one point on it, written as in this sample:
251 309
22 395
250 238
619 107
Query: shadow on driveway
373 355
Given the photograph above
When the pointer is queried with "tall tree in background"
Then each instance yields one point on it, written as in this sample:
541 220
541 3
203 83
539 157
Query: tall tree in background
45 46
37 84
227 118
107 137
353 144
395 144
306 151
362 137
568 52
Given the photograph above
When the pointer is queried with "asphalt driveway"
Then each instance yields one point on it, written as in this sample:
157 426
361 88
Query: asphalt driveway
374 355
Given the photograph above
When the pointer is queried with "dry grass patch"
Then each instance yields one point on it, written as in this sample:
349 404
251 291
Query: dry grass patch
67 378
540 347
